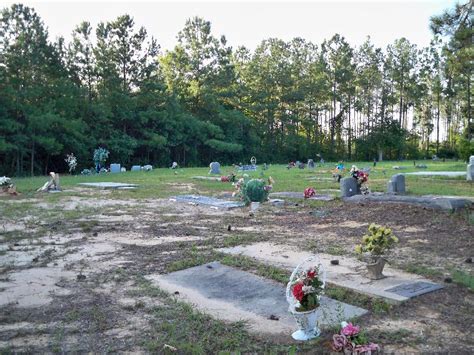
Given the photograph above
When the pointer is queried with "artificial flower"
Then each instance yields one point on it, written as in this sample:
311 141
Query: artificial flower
298 291
350 330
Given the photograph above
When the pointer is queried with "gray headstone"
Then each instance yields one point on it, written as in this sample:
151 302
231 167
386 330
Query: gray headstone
136 168
413 289
470 169
123 169
310 164
148 168
115 168
215 168
396 185
349 187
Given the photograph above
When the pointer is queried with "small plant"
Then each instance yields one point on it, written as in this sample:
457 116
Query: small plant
254 190
377 242
71 161
350 340
307 289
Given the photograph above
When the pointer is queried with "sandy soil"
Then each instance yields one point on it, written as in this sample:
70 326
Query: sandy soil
74 283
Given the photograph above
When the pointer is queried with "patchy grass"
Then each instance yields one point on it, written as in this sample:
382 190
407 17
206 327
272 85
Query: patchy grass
463 278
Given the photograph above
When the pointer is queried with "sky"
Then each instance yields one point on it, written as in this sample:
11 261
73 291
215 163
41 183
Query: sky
249 22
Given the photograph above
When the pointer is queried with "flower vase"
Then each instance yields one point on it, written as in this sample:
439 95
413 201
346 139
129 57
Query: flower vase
306 322
254 206
375 269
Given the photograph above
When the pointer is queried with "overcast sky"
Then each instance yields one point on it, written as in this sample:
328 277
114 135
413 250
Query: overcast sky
248 23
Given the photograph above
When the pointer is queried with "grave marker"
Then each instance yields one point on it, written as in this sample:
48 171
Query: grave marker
215 168
115 168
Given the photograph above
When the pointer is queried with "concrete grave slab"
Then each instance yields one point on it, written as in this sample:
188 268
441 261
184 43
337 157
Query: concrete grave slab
438 173
208 201
210 178
300 195
109 185
234 295
437 202
350 273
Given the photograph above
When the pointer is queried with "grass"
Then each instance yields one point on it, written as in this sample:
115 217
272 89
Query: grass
162 182
463 278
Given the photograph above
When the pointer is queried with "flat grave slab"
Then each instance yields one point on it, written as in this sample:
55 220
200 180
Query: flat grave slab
208 201
437 202
300 195
396 287
438 173
234 295
109 185
210 178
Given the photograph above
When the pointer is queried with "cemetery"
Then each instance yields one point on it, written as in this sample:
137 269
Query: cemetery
128 255
308 194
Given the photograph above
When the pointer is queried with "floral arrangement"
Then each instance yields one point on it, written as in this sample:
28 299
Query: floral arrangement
229 178
359 175
307 289
253 190
352 341
100 155
309 192
71 162
377 242
5 182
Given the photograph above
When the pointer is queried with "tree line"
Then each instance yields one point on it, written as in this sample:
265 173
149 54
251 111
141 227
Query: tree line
112 86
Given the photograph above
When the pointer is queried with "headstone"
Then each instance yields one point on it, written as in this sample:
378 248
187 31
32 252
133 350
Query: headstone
470 169
310 164
349 187
115 168
122 169
301 165
421 166
148 168
215 168
412 289
396 185
248 168
397 167
136 168
174 165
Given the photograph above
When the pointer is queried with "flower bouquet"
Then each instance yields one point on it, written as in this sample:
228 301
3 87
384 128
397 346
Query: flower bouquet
303 293
253 190
350 340
309 192
7 186
376 244
100 156
362 178
71 161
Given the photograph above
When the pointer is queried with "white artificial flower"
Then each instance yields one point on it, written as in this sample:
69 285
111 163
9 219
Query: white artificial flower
308 289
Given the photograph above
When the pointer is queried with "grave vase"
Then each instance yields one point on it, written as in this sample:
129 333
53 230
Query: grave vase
306 322
375 269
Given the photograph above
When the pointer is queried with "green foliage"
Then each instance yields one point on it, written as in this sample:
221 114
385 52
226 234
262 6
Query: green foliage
100 155
378 241
254 190
205 101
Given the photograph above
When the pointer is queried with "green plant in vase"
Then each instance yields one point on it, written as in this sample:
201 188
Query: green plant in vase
376 245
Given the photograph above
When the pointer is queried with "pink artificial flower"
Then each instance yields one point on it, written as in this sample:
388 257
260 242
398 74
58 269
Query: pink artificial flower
350 330
365 349
339 342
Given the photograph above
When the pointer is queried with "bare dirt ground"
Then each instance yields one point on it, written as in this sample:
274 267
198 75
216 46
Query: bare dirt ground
72 273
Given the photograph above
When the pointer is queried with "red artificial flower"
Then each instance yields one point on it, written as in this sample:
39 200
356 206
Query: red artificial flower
225 179
298 291
312 274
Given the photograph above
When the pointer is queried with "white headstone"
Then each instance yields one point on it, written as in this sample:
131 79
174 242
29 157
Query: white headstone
470 169
136 168
215 168
115 168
